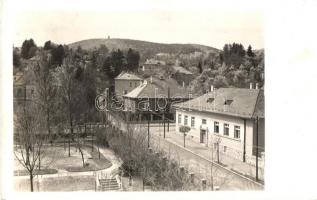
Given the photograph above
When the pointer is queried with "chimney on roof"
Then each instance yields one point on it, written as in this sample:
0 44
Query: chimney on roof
251 86
257 86
211 88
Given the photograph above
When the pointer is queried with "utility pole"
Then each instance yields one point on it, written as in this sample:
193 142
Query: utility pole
92 140
257 150
184 139
85 130
164 123
244 139
168 108
211 168
107 105
218 152
207 137
148 132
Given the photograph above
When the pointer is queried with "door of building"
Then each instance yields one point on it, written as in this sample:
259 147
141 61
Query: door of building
202 136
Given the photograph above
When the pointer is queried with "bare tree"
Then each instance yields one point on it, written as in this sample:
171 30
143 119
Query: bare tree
156 169
45 92
28 139
70 94
184 130
79 143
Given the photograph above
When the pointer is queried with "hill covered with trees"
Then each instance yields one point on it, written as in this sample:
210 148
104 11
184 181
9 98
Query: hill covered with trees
233 66
146 49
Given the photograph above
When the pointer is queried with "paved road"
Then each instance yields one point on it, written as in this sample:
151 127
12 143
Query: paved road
223 178
206 152
202 167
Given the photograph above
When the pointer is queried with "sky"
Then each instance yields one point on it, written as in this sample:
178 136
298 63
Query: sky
174 21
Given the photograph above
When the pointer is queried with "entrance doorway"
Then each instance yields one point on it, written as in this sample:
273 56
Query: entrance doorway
202 136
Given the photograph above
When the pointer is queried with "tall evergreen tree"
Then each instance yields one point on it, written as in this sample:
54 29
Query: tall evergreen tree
16 59
133 58
28 49
58 55
48 45
200 68
117 62
250 52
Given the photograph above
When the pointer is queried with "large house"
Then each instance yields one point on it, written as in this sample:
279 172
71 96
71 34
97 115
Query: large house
181 75
125 83
233 117
23 89
155 96
152 66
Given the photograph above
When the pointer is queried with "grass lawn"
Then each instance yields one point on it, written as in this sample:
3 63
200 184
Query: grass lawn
56 158
94 163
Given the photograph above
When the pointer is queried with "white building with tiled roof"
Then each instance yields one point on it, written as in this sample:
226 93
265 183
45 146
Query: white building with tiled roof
231 119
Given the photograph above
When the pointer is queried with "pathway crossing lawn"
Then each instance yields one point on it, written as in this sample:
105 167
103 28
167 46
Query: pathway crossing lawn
67 173
56 157
57 184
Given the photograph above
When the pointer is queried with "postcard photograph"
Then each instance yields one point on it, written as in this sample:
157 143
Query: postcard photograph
169 97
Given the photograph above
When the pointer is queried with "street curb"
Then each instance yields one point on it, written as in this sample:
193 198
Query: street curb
218 165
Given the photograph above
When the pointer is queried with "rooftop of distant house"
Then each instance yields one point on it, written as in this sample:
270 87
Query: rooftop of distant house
128 76
18 78
180 69
154 62
238 102
158 88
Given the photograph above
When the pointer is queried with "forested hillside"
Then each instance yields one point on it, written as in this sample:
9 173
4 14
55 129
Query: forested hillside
146 49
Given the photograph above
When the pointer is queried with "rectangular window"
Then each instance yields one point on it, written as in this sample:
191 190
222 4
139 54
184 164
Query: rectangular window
185 120
146 106
237 132
125 92
179 118
192 122
135 84
19 92
224 148
226 129
204 121
130 84
216 127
